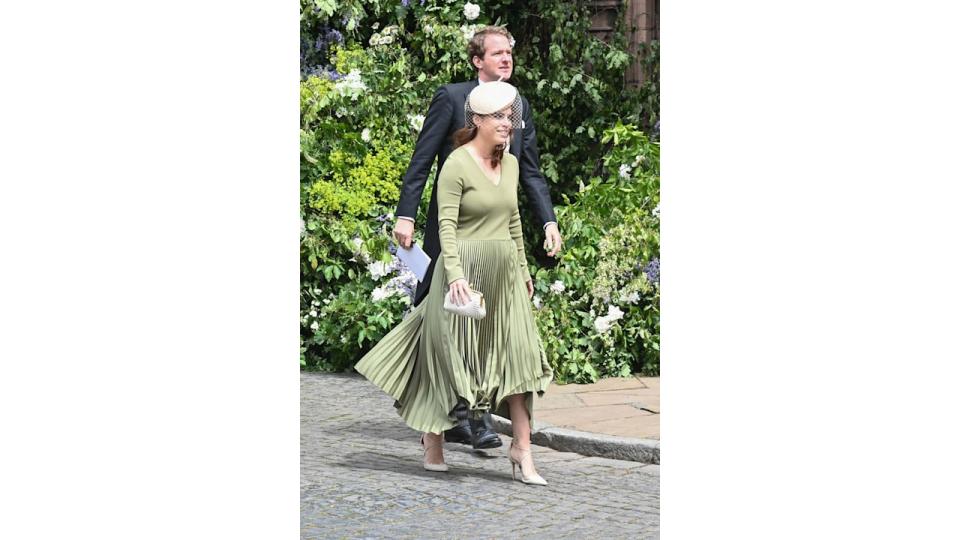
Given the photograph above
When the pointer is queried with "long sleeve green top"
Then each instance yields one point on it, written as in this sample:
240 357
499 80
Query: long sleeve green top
471 207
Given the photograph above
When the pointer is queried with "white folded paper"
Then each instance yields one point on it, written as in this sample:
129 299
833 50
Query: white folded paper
416 260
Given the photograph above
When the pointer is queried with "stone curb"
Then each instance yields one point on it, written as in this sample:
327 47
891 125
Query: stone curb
587 444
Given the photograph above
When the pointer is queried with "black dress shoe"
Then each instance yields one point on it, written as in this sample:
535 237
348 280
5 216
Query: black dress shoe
458 434
482 436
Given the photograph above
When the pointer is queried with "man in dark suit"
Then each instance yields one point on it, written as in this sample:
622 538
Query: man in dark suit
490 52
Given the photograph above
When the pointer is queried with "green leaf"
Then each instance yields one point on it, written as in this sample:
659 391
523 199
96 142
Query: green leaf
555 53
326 6
590 370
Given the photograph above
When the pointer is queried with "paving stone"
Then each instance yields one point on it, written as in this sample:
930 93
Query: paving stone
572 418
646 426
361 476
612 383
650 382
615 397
555 401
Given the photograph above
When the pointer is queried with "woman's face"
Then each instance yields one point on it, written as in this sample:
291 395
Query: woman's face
496 127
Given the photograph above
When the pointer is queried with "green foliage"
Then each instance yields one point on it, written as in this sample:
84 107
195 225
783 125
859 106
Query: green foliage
650 89
611 233
357 187
343 326
574 83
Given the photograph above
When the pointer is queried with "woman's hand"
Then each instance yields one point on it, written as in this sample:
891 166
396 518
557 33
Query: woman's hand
530 288
460 292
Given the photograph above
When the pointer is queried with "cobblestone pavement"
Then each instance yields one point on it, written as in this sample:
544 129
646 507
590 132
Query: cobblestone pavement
361 476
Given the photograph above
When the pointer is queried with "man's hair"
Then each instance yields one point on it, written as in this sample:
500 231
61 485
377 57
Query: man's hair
475 45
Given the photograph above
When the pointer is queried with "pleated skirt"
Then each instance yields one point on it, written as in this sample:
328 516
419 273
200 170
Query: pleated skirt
433 358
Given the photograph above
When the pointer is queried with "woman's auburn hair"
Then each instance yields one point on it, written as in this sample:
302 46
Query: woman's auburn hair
466 134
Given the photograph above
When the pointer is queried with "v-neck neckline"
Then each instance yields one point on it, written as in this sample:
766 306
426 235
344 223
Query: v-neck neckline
483 172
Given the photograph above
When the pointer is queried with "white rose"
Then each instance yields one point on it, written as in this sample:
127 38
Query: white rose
471 11
350 85
614 313
416 121
557 287
378 269
537 302
380 293
313 313
602 324
624 171
365 135
315 325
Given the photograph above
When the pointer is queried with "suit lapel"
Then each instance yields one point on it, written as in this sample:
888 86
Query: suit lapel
461 119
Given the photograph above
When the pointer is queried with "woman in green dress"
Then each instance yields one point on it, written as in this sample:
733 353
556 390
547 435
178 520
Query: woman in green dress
434 358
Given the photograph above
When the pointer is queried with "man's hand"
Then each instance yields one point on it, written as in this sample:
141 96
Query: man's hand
554 242
403 232
460 292
530 288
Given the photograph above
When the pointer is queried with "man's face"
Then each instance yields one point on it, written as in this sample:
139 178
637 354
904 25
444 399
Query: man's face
497 61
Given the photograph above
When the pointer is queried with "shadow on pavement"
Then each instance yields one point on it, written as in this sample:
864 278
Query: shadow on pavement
374 461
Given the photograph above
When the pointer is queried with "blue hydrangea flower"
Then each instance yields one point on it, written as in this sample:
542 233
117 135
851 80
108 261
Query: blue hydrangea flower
334 36
652 270
406 3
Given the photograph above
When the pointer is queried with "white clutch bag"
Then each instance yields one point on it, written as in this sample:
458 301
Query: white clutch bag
475 308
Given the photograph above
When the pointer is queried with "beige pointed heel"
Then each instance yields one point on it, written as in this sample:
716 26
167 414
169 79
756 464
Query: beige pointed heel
524 458
435 467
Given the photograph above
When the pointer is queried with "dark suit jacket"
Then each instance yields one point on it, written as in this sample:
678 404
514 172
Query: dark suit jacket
444 117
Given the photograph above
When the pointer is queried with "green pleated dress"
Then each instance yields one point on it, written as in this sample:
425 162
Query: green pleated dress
434 358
